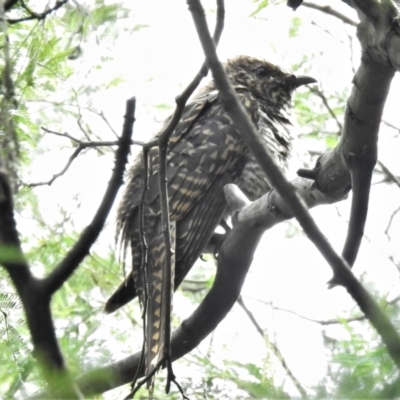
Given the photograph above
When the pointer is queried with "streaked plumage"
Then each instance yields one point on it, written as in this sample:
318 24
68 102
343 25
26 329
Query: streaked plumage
205 153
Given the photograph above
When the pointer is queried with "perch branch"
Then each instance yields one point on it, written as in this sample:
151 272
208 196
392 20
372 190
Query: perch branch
342 272
358 143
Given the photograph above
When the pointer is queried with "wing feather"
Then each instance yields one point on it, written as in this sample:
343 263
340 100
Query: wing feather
204 151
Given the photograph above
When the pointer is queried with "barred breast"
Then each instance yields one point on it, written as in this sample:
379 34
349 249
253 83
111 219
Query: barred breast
275 131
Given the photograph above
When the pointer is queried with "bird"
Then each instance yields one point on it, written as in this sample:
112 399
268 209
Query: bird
205 152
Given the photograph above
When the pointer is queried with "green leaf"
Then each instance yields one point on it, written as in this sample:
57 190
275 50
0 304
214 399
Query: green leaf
260 6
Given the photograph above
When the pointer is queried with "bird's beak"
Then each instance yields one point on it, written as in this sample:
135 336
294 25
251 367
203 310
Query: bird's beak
301 80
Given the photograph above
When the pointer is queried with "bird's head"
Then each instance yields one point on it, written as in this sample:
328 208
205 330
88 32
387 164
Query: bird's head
264 80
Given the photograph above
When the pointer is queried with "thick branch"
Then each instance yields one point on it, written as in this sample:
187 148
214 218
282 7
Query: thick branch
34 299
379 37
359 143
35 294
10 4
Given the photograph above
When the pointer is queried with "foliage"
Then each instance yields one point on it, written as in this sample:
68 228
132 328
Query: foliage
43 61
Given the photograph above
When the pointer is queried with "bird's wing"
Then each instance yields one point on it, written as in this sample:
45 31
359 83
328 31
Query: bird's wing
202 148
128 211
194 230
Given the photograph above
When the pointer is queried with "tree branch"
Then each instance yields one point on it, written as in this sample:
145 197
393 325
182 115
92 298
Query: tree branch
81 146
36 293
371 84
81 248
359 143
37 16
36 302
162 142
274 348
10 4
341 270
330 11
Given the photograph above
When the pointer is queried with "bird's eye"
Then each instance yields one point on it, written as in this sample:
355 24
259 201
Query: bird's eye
262 72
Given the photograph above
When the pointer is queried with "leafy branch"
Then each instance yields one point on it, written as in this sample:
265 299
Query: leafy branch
36 293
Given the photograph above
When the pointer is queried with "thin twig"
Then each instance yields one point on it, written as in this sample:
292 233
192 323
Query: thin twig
64 134
392 178
390 125
395 212
167 285
274 348
103 117
82 146
147 378
322 96
330 11
38 16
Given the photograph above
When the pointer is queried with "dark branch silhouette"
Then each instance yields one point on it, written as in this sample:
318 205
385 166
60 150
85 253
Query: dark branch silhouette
34 15
10 4
36 293
81 249
358 144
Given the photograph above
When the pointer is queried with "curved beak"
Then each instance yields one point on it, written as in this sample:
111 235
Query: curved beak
301 80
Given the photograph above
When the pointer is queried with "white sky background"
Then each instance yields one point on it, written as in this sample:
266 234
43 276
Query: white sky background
156 63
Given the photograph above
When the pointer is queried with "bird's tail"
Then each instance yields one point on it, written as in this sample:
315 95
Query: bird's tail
158 308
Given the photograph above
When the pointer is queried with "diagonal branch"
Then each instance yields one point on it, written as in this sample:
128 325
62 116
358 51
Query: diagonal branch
274 347
81 248
36 293
341 270
330 11
37 16
162 142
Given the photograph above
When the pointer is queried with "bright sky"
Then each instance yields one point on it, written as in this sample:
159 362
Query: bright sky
156 63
